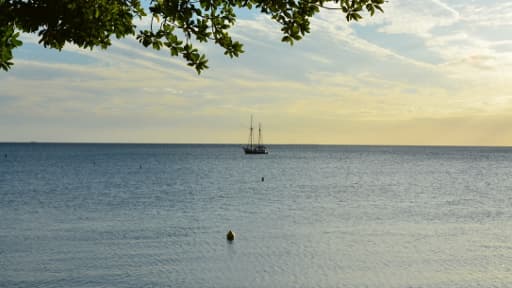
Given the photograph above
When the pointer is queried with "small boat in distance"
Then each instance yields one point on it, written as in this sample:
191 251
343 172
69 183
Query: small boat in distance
252 148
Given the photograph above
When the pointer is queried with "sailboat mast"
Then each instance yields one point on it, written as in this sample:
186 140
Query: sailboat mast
251 135
259 134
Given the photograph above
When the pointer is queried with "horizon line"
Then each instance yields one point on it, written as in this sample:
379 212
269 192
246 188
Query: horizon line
241 144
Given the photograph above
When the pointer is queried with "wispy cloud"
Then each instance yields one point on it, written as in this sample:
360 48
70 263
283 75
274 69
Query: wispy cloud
415 17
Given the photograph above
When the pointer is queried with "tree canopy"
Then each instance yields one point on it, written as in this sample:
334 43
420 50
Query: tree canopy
175 24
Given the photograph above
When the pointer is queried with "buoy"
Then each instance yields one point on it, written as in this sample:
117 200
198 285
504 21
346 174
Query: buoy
262 179
140 166
230 236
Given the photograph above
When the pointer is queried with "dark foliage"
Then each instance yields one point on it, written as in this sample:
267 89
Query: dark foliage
176 24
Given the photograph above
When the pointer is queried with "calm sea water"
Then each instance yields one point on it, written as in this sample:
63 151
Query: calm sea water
85 215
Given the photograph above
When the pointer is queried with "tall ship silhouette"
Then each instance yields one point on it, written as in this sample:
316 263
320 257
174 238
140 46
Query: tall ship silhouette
253 148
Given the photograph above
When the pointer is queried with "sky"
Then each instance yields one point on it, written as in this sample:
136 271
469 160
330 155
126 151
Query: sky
430 72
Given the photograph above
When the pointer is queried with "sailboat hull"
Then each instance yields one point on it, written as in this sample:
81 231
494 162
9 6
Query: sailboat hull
255 150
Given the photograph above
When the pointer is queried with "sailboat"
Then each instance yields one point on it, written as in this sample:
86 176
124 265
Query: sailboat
253 148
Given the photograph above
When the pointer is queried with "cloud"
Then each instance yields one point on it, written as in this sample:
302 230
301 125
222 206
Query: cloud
458 32
496 15
413 17
330 27
258 30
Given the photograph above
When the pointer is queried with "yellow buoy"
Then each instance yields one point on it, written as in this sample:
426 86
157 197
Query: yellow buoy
230 236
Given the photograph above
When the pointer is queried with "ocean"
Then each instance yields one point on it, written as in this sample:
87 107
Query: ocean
137 215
